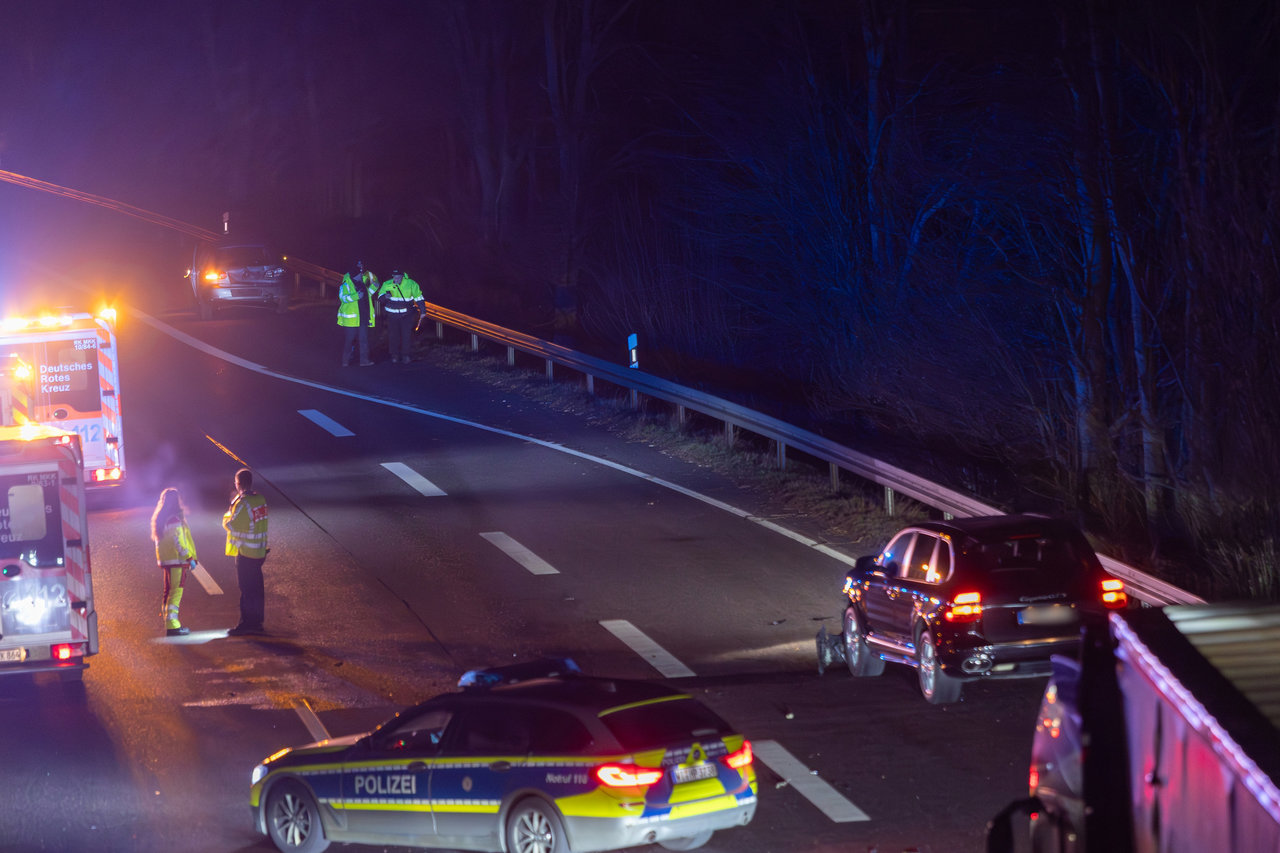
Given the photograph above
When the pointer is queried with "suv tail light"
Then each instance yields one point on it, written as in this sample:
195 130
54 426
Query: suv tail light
740 757
627 775
965 607
1113 595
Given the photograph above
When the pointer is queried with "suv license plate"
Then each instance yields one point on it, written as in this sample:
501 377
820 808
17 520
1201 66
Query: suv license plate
694 773
13 655
1049 614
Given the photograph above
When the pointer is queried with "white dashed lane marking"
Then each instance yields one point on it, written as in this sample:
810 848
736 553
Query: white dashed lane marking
812 787
414 479
519 553
326 423
658 657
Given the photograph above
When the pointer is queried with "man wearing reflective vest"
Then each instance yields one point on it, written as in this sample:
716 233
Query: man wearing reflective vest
396 296
246 524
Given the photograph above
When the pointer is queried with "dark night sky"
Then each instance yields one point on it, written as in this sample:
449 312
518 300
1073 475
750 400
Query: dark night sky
1088 189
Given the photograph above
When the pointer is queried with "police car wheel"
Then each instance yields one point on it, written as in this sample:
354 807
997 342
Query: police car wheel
691 842
533 827
293 821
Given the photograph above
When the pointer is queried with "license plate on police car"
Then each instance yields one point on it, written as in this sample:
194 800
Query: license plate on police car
13 655
694 773
1047 614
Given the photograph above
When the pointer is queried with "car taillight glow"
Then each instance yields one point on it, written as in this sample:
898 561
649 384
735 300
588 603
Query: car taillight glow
627 775
62 651
215 276
1113 594
965 607
740 757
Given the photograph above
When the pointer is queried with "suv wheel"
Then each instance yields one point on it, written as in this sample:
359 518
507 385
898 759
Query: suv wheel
936 686
857 654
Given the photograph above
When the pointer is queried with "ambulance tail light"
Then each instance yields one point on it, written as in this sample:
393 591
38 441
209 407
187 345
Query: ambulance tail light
740 757
627 775
106 475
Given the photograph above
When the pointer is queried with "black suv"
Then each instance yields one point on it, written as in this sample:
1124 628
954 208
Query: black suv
971 598
240 272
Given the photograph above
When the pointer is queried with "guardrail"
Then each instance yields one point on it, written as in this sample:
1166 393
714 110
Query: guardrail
894 480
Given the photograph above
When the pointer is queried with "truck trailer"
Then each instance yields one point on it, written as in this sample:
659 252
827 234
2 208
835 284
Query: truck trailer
1163 736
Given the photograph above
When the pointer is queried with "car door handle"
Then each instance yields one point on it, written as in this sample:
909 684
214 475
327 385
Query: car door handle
417 767
500 766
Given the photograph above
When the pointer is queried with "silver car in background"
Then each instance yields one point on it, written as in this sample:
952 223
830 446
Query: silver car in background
237 273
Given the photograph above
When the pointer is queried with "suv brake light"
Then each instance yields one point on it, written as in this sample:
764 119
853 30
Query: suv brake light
740 757
965 607
627 775
1113 594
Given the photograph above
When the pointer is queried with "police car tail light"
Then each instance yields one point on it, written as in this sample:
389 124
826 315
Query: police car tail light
740 757
965 607
627 775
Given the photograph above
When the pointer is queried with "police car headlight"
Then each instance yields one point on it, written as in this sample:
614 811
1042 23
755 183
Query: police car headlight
258 773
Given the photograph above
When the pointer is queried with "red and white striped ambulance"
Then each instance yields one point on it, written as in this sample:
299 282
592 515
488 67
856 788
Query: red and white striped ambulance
47 618
62 370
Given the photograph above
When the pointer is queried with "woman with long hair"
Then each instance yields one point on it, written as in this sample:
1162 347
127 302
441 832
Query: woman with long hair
175 554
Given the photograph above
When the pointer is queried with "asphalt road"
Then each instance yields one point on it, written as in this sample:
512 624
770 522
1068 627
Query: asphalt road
423 524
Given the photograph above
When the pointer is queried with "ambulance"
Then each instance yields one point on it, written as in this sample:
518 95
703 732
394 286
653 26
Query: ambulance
47 619
61 370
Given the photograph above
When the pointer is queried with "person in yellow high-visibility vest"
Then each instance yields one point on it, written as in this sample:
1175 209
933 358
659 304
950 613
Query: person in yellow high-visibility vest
246 524
175 554
355 312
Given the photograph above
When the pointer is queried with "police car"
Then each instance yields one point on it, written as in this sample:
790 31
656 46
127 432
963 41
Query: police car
530 758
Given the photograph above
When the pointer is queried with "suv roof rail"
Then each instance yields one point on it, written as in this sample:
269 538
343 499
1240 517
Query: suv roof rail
483 679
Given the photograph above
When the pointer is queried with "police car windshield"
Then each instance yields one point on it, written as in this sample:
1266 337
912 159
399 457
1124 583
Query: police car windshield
661 723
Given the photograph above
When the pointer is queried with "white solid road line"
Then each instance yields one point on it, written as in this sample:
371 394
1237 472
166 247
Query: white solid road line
520 554
326 423
814 788
658 657
413 478
206 580
209 349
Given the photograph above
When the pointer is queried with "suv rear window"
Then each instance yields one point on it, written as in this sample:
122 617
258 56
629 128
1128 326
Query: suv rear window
1051 554
658 724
